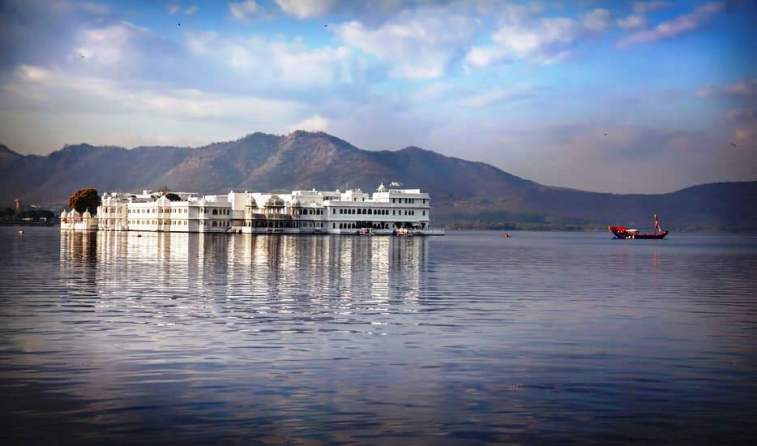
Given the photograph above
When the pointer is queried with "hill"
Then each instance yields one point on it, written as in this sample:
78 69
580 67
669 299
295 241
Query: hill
463 192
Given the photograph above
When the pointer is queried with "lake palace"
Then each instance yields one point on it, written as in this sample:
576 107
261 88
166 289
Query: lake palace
388 210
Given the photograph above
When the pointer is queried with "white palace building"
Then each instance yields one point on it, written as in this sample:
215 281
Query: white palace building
389 210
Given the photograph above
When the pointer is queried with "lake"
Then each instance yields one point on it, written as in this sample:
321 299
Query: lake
470 338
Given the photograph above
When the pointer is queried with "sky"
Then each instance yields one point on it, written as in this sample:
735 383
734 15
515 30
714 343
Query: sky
641 96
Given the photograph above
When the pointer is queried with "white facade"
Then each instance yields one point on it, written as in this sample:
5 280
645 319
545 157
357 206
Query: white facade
74 221
388 211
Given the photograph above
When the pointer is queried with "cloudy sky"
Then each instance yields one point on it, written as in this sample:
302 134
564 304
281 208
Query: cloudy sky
613 96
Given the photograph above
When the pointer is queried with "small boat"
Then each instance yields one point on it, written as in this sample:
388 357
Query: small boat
627 233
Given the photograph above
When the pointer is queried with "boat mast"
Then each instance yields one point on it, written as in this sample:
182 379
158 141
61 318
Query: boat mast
657 227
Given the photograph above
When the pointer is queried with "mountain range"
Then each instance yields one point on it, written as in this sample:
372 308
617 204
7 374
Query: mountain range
464 193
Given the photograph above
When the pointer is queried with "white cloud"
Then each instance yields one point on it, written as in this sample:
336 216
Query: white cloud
745 88
33 74
288 63
743 117
95 8
201 43
679 25
304 9
742 114
598 19
175 8
546 41
498 96
37 93
648 6
745 137
243 10
551 31
110 45
483 56
105 96
744 121
417 44
315 123
523 35
633 21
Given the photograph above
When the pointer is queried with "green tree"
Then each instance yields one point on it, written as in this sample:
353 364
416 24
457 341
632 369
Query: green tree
173 197
7 213
85 199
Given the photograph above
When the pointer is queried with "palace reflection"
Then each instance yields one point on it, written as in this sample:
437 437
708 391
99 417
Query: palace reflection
308 269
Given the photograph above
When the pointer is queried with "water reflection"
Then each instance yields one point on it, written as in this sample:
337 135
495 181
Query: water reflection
540 338
312 270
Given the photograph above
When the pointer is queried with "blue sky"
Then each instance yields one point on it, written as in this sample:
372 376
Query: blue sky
644 96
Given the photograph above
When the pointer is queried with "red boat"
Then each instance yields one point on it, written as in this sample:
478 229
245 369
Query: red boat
627 233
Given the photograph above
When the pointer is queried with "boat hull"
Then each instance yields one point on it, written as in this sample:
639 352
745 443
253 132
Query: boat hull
623 233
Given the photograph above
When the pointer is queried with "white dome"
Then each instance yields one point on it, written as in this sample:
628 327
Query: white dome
275 201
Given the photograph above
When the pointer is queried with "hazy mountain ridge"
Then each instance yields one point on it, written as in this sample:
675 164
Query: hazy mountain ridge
462 191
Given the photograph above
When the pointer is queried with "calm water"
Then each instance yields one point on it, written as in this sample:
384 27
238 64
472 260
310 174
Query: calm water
465 339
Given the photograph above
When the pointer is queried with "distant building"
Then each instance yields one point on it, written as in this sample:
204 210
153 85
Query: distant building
389 210
73 220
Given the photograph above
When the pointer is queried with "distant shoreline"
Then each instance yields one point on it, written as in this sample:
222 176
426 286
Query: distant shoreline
27 223
457 228
588 228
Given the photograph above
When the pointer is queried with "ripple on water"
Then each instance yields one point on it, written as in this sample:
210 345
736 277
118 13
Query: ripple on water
468 338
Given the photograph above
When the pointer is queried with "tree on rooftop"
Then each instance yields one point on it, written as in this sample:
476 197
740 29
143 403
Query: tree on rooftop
173 197
84 199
